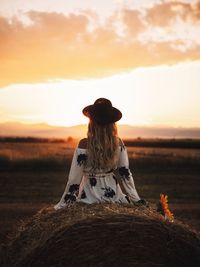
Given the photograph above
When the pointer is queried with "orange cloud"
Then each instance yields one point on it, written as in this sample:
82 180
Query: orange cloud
57 46
163 14
133 21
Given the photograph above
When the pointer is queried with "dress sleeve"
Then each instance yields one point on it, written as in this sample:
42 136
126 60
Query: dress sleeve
74 179
126 175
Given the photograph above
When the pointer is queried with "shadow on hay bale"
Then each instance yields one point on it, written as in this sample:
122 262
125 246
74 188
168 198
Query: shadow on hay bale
102 235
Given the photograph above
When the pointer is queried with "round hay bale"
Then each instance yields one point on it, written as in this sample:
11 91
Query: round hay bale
102 235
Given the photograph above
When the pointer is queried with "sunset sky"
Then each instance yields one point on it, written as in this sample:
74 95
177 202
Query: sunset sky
56 57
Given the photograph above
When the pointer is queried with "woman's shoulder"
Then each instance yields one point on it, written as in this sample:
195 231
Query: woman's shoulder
83 143
121 143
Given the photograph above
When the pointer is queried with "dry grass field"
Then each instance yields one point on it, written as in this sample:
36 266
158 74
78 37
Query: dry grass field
34 174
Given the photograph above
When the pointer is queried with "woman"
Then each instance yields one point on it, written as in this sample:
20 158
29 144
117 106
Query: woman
91 177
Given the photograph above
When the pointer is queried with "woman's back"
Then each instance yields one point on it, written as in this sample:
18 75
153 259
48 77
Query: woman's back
92 178
101 185
83 144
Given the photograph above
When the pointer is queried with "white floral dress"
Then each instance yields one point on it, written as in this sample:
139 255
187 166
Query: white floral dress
101 186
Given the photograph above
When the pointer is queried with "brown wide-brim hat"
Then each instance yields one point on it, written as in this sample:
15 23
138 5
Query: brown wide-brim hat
102 112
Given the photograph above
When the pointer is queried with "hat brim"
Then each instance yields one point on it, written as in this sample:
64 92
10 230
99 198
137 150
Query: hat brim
111 117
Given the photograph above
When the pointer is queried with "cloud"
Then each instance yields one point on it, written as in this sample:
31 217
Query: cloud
133 21
163 14
160 14
73 46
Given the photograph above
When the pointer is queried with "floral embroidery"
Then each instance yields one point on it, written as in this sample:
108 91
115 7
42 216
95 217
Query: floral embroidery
73 192
69 198
123 171
81 159
108 191
73 188
93 181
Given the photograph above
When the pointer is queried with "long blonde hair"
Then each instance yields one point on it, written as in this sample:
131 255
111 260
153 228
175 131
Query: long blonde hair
102 145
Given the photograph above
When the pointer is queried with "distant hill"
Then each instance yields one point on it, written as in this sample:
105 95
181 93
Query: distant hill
125 131
41 130
158 132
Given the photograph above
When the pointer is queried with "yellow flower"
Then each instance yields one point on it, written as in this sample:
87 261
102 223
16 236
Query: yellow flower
164 204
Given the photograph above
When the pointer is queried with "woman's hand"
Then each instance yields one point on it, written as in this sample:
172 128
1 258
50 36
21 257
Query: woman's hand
45 210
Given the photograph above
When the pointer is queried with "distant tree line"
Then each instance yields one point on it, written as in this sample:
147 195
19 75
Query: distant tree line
30 139
163 143
136 142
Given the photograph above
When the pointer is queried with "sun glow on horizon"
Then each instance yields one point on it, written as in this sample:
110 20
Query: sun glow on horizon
146 96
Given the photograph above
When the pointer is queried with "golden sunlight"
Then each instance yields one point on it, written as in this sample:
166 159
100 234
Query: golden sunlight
146 96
